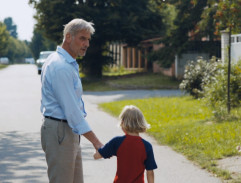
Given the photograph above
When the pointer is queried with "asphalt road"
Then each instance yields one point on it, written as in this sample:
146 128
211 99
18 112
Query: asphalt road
21 156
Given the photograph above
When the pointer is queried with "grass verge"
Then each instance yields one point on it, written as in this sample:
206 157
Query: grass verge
2 66
130 81
186 125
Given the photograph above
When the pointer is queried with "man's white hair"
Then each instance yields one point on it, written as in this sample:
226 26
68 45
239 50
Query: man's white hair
76 25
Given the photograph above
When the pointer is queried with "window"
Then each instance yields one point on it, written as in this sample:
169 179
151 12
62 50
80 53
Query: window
238 39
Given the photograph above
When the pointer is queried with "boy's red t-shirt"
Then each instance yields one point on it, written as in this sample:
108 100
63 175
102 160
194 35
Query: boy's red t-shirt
134 155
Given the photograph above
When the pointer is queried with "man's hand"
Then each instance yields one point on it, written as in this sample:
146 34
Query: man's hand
97 155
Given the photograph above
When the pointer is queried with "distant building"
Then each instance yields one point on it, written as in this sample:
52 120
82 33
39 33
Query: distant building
135 58
4 60
235 46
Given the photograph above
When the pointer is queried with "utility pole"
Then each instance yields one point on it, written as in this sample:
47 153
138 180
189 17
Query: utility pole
229 69
229 57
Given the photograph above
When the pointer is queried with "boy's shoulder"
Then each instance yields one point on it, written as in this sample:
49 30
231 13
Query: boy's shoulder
145 141
111 147
118 138
147 144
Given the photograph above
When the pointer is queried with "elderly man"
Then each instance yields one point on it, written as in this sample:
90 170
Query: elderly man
63 108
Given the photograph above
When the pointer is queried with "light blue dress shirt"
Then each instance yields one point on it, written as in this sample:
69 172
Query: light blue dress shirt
62 91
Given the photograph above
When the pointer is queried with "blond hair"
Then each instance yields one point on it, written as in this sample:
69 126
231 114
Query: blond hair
132 120
76 25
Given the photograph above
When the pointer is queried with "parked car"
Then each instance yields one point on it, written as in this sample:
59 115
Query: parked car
42 57
29 60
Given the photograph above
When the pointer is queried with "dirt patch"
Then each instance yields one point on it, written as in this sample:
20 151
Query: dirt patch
232 164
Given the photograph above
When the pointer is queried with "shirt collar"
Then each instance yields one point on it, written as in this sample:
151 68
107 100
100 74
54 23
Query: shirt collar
66 55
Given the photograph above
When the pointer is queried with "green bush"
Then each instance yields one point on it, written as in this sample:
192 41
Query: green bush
216 91
197 75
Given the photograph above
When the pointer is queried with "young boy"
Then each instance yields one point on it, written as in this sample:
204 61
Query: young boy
134 154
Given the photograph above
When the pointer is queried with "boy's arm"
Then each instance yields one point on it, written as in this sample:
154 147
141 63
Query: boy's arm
109 149
150 176
97 155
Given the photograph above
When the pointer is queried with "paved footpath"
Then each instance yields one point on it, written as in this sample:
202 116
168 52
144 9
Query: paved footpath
21 157
172 167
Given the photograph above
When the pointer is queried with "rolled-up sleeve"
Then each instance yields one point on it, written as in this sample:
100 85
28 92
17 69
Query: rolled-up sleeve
64 90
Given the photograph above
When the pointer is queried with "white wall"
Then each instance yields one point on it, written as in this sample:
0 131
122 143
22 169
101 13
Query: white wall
184 59
235 48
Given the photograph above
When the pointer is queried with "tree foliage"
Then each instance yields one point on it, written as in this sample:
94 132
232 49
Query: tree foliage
40 43
17 50
11 27
185 24
228 15
215 92
219 15
11 47
115 20
212 17
4 37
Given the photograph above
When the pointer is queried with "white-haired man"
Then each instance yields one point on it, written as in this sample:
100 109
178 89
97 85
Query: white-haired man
63 108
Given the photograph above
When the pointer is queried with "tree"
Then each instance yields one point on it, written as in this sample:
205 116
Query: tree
217 15
17 50
11 27
115 20
206 26
227 17
185 29
40 43
4 37
11 47
224 15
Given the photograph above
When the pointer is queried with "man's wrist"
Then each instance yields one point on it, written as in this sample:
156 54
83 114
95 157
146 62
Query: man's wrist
97 144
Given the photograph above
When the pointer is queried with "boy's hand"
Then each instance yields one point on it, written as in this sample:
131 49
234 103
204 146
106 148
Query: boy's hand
97 155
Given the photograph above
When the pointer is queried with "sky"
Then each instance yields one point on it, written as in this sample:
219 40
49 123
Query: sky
22 15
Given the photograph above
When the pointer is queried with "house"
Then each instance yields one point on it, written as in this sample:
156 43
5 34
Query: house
129 57
235 46
136 57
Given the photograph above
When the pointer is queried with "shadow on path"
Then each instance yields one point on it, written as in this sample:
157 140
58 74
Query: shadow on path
22 159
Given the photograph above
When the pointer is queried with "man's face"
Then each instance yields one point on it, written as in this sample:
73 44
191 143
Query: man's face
79 43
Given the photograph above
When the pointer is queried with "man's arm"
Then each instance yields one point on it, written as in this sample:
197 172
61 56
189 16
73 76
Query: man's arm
93 139
150 176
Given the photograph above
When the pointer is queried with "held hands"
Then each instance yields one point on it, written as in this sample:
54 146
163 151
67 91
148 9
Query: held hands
97 155
96 143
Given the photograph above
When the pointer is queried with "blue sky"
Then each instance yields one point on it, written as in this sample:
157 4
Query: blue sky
22 14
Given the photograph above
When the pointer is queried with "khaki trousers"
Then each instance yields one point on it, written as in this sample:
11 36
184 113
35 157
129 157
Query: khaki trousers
62 152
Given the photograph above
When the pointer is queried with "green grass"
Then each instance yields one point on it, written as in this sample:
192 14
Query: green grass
130 81
2 66
96 85
119 73
186 125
